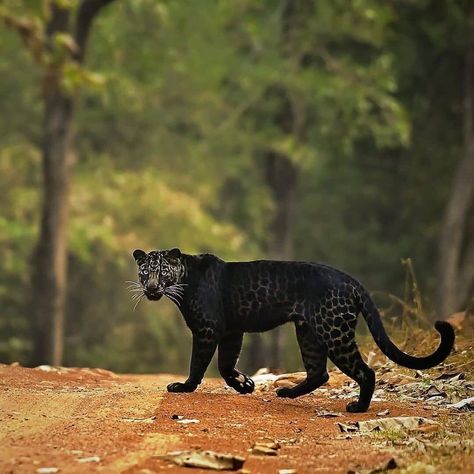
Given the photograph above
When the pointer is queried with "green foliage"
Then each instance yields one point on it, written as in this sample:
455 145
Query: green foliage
18 228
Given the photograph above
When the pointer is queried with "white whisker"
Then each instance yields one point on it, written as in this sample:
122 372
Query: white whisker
138 301
172 298
170 290
174 293
138 295
176 288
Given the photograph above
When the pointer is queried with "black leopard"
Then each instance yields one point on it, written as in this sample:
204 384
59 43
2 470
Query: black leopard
220 301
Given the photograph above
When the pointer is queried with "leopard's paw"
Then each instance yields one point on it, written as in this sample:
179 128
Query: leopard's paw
355 407
286 392
181 387
241 382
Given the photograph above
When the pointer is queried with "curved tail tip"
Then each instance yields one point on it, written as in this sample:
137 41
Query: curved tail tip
446 330
443 326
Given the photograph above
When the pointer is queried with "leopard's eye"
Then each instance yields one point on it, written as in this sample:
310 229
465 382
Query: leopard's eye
164 272
144 271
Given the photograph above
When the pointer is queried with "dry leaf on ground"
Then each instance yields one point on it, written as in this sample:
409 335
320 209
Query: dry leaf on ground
327 414
151 419
266 448
205 460
400 423
386 466
466 404
289 380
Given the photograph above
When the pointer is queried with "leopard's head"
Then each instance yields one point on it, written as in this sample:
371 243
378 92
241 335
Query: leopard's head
160 273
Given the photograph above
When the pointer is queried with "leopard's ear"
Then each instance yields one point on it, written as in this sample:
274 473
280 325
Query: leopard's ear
174 254
139 254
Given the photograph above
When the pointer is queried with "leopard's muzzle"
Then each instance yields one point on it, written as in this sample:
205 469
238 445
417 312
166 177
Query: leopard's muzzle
153 291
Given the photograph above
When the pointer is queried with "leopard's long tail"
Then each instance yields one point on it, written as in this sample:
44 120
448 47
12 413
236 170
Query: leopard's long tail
374 322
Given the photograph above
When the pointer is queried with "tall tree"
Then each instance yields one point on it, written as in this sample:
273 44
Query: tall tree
456 247
281 173
59 47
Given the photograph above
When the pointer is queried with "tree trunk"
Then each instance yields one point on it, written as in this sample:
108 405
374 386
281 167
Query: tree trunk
456 265
281 177
50 257
50 267
49 274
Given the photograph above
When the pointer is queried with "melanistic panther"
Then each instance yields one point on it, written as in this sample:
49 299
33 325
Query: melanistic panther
222 300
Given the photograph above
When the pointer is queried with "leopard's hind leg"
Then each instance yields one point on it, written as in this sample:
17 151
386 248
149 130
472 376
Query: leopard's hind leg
314 357
343 351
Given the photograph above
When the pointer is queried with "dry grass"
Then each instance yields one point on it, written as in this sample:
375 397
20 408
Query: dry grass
451 448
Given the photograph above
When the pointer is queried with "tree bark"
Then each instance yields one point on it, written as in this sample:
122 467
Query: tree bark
456 265
282 178
49 284
49 274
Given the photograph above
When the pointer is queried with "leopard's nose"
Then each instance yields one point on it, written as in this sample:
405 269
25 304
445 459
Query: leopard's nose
152 285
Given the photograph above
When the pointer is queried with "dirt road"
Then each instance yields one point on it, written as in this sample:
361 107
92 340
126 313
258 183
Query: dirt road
84 420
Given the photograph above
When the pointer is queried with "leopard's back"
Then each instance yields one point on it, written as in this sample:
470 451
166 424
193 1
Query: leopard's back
263 294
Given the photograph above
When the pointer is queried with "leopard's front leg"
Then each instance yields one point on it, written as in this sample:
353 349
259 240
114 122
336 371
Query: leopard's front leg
204 346
229 350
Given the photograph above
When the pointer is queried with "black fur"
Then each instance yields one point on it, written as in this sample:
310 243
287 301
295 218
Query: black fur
222 300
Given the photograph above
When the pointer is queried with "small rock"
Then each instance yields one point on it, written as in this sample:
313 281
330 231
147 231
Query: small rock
89 459
46 368
187 422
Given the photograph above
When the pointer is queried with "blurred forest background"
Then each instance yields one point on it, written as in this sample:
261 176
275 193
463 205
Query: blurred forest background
334 131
